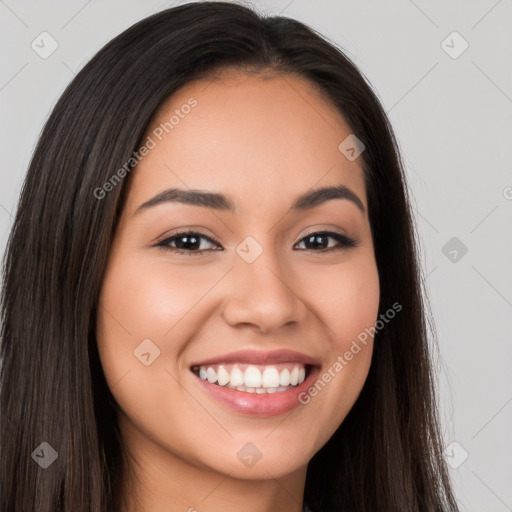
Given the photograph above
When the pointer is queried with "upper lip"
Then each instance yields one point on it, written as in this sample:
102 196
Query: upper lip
259 357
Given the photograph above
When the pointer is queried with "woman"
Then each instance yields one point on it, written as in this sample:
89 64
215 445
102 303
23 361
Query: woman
212 295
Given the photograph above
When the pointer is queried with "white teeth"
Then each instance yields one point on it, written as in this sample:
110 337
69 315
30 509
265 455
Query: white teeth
294 376
260 380
284 378
237 377
222 376
252 377
211 375
270 378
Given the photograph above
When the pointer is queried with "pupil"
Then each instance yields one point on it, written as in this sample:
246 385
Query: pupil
313 239
187 241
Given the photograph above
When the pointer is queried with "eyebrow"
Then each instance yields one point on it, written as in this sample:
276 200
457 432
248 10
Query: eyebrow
306 201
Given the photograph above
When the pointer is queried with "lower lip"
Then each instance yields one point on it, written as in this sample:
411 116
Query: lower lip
264 404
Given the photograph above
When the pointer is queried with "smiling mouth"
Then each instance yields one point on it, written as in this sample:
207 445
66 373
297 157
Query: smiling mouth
253 378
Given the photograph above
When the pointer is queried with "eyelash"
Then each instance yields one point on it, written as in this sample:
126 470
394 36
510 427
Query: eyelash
344 242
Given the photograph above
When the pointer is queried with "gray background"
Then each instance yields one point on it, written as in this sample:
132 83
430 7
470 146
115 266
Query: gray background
452 117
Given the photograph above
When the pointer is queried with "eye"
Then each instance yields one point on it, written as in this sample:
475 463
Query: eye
187 242
319 239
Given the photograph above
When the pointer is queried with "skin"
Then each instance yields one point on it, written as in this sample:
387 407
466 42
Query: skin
262 141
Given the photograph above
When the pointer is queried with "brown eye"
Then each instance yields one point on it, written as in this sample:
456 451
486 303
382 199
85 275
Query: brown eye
188 242
320 241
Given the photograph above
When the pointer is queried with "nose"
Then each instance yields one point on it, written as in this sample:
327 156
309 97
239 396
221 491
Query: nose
263 295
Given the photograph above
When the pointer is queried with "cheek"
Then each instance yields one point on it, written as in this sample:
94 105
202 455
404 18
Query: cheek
352 314
149 299
141 301
145 305
346 301
346 298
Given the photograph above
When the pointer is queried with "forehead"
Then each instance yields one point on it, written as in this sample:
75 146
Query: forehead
260 138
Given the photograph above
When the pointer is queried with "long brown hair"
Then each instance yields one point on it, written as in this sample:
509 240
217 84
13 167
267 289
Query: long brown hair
385 456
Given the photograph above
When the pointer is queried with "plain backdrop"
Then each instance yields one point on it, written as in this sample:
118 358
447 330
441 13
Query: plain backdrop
443 73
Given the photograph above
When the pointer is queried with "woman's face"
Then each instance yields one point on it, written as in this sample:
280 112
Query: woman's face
264 304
